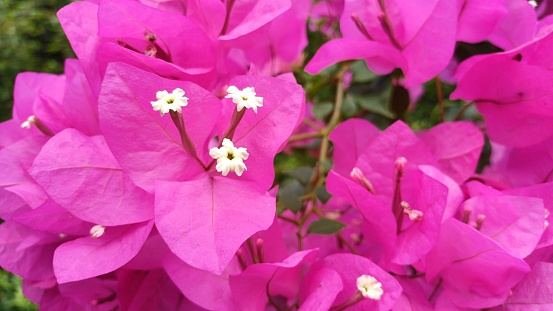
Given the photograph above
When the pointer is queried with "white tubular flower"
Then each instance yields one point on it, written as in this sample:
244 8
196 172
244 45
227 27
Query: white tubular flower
27 124
229 158
244 98
174 101
369 287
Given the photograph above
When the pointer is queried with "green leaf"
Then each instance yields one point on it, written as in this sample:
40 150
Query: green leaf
376 104
291 202
322 110
327 165
325 226
289 196
349 108
302 174
322 194
361 73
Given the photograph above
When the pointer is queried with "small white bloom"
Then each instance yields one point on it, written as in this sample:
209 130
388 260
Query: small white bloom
229 158
244 98
174 101
369 287
27 124
97 231
533 3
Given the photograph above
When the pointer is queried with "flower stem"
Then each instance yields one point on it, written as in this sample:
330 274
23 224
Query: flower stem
229 5
185 139
387 25
303 136
253 251
319 175
312 124
440 99
43 128
435 291
460 113
354 299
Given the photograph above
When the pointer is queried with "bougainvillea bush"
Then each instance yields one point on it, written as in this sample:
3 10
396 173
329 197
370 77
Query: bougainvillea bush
286 155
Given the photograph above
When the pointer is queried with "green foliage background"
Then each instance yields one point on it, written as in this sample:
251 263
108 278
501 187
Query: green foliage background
32 40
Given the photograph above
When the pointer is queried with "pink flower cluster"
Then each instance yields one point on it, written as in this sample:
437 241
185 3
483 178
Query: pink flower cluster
140 179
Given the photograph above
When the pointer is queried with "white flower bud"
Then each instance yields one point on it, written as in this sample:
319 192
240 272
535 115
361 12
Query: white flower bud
97 231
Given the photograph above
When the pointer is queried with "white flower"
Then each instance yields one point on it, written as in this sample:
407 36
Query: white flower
533 3
244 98
229 158
27 124
369 287
173 101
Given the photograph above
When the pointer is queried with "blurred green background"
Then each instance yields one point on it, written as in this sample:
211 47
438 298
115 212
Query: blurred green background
32 40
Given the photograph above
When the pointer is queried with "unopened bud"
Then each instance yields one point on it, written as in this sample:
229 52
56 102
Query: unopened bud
400 163
241 258
260 251
333 215
415 215
357 175
355 237
149 36
360 26
151 51
479 221
122 43
97 231
465 217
